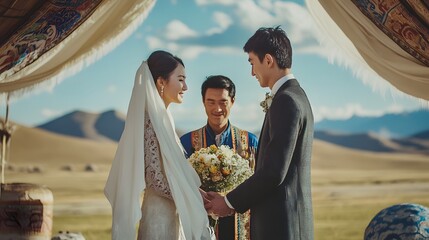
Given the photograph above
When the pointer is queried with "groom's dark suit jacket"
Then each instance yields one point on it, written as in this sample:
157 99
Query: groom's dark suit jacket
279 193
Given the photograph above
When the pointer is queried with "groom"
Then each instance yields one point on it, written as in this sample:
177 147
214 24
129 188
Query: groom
279 193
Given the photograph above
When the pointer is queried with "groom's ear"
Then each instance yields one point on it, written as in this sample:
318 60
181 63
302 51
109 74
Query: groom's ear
269 59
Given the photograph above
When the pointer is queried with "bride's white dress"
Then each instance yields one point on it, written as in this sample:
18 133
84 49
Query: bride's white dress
138 168
159 217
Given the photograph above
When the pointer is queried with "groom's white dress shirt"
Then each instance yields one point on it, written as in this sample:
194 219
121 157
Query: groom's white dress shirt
280 82
274 90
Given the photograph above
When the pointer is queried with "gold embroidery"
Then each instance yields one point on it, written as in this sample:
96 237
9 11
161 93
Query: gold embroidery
240 144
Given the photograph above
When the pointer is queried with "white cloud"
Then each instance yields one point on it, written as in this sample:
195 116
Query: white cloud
267 4
253 16
112 88
49 113
184 51
154 42
208 2
248 117
292 17
350 110
189 51
297 21
223 20
184 122
176 30
193 51
246 15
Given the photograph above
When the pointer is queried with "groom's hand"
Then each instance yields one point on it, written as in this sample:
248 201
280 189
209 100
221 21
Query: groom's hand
217 205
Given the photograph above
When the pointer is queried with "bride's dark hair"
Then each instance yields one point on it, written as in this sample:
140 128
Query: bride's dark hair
162 64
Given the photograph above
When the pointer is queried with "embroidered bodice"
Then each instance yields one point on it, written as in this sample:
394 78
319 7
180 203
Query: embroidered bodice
154 170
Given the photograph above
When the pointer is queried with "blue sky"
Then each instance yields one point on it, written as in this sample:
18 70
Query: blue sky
209 35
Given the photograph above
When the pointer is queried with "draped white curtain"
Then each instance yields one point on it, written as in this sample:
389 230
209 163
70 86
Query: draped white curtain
111 23
365 49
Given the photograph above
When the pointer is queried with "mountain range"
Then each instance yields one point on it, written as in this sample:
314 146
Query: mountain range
411 130
106 126
375 143
392 125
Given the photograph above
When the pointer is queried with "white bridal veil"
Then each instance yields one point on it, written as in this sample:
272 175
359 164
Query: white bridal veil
126 180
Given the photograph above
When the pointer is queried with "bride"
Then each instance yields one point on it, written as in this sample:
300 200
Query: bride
150 163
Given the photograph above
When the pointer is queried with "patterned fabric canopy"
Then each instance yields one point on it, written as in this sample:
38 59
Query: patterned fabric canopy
50 24
380 40
405 22
49 40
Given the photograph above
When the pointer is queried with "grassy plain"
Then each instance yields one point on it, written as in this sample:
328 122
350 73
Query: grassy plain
349 187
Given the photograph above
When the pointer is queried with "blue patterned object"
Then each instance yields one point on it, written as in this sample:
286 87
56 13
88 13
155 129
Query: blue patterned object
405 221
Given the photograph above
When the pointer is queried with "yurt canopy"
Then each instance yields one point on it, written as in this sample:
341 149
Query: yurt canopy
42 42
389 38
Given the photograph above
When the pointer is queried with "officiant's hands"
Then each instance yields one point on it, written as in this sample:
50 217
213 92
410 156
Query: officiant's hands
217 205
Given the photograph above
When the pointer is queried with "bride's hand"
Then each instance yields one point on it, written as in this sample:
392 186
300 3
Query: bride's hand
204 196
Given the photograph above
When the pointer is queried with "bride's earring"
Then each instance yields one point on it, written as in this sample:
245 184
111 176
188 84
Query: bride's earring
162 91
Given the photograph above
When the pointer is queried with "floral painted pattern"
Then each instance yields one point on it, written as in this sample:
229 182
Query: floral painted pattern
51 24
404 21
403 221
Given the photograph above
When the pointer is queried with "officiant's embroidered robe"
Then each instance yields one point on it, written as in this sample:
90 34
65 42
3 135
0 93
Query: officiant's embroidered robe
239 140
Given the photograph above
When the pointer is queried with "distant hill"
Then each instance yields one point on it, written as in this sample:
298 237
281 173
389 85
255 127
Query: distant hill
37 146
32 146
373 142
107 126
110 124
363 141
422 135
391 125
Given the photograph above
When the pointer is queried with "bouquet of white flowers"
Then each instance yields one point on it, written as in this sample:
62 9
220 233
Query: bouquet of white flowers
220 169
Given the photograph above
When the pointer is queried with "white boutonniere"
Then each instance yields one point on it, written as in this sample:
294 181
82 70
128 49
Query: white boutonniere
267 102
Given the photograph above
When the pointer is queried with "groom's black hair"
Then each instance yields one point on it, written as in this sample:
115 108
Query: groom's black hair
220 82
273 41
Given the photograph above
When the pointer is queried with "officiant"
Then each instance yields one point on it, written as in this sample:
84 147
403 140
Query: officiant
218 94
